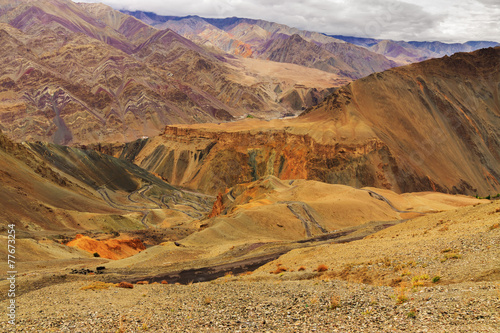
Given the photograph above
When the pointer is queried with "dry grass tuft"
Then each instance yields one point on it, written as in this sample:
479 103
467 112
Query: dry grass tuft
419 280
401 295
451 255
494 226
98 285
334 302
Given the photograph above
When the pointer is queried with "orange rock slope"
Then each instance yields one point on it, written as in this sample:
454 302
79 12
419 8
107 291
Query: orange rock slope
109 248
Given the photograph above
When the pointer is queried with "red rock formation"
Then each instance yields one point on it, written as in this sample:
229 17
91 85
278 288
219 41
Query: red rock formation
110 248
218 207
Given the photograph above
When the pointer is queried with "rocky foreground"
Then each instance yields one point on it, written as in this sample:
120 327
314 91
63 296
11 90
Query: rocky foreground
235 305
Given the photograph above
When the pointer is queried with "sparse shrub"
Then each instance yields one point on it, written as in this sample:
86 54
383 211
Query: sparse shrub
411 314
98 285
418 281
96 255
494 226
421 277
405 272
402 298
321 268
401 295
451 255
436 279
412 263
301 268
334 303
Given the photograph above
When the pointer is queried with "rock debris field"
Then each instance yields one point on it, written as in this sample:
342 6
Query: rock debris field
237 305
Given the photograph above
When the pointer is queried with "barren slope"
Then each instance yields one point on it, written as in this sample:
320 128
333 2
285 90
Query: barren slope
439 118
458 245
269 216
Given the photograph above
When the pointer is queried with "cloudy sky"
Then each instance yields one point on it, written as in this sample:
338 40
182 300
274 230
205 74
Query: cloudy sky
444 20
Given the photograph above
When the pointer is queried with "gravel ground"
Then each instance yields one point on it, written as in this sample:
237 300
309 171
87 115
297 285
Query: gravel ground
265 306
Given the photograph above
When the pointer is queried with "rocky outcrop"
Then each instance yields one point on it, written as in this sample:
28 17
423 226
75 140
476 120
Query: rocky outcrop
218 207
212 161
109 248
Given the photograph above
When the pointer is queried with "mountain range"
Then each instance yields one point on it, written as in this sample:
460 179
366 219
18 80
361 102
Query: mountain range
81 73
252 38
409 52
85 73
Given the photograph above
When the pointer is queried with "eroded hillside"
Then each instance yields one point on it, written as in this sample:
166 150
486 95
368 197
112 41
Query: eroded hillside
428 126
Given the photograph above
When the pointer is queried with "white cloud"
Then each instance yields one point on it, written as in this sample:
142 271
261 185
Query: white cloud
445 20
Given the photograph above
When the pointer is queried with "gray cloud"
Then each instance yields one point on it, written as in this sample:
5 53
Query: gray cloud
445 20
